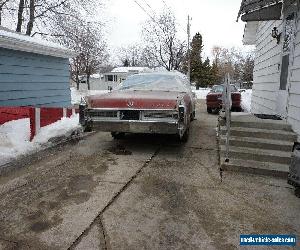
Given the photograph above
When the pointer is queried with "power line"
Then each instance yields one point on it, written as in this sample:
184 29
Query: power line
152 18
165 3
149 7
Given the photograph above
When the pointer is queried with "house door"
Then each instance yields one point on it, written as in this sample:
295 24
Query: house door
289 31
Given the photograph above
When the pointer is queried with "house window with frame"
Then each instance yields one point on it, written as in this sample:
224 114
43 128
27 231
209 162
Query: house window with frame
109 78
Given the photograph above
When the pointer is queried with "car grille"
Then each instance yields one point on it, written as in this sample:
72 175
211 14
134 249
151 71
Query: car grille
107 114
130 115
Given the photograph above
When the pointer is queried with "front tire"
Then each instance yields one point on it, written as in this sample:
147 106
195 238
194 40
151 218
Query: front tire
185 136
193 115
209 110
87 128
117 135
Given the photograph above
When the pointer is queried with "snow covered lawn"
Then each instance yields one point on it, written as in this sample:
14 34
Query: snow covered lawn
15 135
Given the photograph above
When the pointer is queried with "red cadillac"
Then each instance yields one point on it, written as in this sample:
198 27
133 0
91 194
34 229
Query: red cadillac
214 98
158 103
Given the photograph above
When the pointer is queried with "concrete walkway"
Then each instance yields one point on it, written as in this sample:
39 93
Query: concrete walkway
143 192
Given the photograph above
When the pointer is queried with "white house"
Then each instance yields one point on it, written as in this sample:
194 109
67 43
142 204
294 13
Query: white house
119 74
273 27
111 79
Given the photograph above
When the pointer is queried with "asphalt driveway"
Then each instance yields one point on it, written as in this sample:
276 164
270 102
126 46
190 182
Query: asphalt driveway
142 192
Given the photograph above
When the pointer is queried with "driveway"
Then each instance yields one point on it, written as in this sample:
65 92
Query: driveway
142 192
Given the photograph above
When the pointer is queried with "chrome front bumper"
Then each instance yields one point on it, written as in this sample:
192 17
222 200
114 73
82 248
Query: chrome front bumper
152 127
113 120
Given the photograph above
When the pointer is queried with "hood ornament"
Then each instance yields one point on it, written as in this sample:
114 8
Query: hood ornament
130 103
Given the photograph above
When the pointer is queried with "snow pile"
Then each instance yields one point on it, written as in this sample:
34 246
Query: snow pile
14 139
246 100
63 127
76 95
201 92
15 136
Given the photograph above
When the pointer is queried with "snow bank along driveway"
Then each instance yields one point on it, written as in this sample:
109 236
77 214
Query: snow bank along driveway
15 136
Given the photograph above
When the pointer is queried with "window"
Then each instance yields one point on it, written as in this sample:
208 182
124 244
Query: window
109 78
284 72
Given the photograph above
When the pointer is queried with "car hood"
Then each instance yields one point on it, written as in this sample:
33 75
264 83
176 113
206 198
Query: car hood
136 99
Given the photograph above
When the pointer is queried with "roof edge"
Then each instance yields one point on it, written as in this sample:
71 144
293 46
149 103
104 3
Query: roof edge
32 47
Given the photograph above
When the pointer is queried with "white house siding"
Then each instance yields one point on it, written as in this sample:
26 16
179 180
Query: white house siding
293 115
266 69
266 75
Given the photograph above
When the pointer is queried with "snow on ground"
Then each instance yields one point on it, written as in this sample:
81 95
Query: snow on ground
15 136
246 100
76 95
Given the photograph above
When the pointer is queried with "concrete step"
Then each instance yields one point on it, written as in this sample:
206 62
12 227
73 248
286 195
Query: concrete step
261 133
261 155
256 167
251 121
262 125
252 142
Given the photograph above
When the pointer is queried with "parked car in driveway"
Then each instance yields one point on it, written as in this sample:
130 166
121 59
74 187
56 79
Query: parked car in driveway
214 98
156 103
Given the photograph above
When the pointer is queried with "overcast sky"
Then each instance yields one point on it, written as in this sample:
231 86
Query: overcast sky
214 19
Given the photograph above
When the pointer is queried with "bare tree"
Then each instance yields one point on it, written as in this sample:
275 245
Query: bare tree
36 16
162 43
3 3
233 61
87 40
131 55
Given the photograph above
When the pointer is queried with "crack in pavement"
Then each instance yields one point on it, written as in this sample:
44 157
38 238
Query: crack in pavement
113 199
104 235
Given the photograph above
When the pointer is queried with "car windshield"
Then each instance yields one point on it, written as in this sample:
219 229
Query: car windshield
164 82
219 88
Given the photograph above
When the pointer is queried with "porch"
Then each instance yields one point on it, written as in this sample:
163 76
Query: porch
258 144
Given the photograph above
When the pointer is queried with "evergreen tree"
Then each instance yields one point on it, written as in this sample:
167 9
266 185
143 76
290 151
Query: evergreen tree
126 63
215 77
200 71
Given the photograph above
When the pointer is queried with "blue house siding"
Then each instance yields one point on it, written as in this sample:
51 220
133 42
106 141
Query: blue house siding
29 79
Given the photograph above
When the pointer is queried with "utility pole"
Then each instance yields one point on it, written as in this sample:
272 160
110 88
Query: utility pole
189 54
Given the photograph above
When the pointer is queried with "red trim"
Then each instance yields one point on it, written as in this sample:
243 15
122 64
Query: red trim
47 116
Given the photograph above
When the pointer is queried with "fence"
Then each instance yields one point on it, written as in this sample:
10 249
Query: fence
39 117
